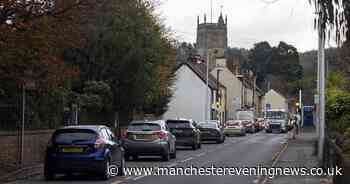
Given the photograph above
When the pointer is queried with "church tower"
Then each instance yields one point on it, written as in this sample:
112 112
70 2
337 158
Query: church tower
212 39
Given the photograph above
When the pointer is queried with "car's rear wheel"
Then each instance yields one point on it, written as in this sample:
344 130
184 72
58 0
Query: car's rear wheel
166 155
105 173
173 155
121 167
48 174
194 146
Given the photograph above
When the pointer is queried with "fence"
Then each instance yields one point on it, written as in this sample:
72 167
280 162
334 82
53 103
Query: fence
334 156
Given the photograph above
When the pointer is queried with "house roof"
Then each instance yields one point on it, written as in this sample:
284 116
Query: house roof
276 92
201 71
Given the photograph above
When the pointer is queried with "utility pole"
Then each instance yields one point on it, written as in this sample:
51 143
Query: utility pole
321 81
206 108
23 122
211 11
301 106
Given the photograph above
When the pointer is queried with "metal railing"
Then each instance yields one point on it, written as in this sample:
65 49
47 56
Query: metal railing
335 157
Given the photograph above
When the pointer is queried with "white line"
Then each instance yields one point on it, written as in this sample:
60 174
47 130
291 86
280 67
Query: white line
117 182
129 177
200 154
139 177
188 159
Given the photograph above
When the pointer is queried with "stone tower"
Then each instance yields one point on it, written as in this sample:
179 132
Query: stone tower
211 39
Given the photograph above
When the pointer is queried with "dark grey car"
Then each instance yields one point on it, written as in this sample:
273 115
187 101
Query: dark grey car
186 132
149 138
210 131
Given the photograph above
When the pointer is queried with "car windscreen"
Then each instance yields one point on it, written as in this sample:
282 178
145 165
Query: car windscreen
69 136
275 115
245 115
144 127
207 125
178 124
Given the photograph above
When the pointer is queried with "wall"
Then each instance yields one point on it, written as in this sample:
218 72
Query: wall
233 90
276 100
34 147
188 100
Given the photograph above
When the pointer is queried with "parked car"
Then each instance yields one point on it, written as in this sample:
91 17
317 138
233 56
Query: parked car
234 127
83 149
210 131
186 132
218 122
146 138
261 123
248 120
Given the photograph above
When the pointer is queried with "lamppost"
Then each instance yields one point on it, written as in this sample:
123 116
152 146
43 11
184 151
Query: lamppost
242 86
218 93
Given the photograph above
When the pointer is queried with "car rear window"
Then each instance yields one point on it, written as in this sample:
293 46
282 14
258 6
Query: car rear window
144 127
233 123
178 124
207 125
74 135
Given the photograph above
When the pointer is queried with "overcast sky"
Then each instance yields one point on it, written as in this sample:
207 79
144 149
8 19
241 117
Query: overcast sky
249 21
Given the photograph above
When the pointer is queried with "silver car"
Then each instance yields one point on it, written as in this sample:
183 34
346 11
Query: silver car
148 138
234 127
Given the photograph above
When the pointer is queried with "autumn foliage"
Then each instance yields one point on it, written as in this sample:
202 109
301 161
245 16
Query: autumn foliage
33 35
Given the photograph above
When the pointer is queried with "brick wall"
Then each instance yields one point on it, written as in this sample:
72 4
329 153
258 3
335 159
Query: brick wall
34 147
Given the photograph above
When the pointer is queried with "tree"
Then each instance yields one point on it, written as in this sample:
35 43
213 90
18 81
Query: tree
130 51
278 65
335 16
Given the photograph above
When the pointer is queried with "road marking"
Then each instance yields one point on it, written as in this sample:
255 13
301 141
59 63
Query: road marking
129 177
275 159
188 159
172 165
139 177
256 181
200 154
117 182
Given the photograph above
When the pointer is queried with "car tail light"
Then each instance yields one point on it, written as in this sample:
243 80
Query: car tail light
161 135
99 143
124 135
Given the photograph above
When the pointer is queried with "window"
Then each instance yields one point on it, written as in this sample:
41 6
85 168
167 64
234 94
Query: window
69 136
144 127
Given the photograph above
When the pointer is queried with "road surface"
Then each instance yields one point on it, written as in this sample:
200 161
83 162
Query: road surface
248 151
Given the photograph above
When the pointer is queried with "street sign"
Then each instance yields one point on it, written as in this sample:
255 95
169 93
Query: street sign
316 99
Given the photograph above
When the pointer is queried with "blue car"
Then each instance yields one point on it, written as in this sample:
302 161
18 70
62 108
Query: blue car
83 149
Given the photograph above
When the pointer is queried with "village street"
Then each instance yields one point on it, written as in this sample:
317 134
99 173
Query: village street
248 151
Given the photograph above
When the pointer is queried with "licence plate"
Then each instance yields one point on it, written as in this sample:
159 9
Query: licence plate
177 131
144 136
72 150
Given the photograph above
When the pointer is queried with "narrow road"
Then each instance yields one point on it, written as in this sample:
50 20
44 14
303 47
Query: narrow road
250 151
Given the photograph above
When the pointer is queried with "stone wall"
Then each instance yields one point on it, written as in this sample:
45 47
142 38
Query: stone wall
34 148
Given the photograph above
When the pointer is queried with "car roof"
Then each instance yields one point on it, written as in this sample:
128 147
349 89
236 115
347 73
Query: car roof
180 119
84 127
160 122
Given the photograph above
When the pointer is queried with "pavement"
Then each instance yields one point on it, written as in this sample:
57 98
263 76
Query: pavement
300 152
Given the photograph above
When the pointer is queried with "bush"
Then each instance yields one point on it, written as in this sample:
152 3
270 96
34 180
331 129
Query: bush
338 112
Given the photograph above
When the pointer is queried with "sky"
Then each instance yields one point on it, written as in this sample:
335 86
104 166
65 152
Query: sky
249 21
